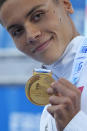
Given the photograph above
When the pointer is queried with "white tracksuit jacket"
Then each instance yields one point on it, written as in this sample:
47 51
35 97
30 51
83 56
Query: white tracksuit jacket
63 68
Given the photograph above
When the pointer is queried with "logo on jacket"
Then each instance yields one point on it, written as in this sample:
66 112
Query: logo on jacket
84 49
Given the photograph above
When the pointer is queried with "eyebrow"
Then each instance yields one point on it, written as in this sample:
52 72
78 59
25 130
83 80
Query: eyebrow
12 26
33 9
28 14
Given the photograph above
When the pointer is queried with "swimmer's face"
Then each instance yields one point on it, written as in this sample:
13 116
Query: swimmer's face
40 28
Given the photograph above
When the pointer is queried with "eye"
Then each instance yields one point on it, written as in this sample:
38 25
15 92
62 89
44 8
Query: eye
37 17
17 32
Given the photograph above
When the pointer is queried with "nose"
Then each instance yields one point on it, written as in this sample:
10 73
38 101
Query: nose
32 33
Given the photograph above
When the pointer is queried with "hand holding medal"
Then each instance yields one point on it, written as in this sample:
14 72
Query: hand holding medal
37 85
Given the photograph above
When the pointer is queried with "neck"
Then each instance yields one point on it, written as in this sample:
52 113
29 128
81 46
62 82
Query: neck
74 31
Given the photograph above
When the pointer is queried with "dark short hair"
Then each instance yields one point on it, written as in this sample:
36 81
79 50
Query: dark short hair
2 2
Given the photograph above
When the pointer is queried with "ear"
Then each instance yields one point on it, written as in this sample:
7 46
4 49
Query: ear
68 6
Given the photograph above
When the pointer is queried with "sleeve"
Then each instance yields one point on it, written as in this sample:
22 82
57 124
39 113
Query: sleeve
78 123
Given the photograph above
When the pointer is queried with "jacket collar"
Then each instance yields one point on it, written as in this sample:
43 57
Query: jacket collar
63 67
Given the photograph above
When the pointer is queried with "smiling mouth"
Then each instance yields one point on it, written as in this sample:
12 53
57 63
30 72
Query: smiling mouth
42 46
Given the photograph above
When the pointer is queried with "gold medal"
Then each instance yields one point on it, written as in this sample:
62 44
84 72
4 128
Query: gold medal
36 88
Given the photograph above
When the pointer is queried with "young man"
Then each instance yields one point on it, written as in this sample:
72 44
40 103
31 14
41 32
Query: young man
44 30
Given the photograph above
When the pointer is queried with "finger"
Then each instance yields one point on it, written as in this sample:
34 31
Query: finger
50 91
68 84
58 87
56 111
60 112
57 100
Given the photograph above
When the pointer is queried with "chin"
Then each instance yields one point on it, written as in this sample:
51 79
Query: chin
47 59
48 62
